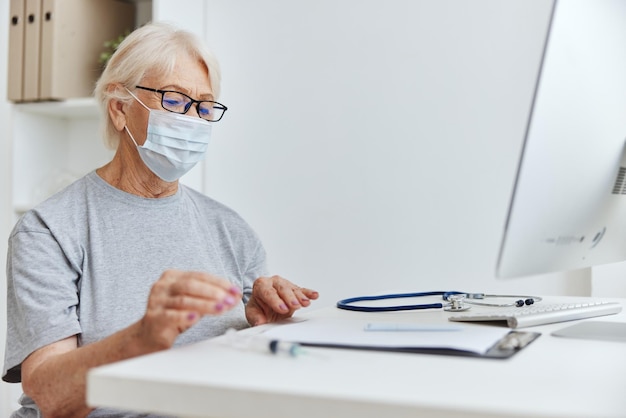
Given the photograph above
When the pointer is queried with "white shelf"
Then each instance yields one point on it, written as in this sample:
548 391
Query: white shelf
67 109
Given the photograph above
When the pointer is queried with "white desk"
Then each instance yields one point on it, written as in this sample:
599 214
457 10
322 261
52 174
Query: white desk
553 377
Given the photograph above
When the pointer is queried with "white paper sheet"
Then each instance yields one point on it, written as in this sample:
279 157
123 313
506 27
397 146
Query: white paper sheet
352 333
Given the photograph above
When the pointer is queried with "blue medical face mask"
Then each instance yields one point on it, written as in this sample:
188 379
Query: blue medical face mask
174 142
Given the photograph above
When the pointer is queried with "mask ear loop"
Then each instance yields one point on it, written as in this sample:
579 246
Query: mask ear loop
136 98
131 136
141 103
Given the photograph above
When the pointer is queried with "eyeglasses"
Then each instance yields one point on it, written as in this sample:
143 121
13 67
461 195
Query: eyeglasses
177 102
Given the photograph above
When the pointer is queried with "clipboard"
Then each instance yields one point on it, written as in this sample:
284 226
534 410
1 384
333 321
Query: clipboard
477 341
509 345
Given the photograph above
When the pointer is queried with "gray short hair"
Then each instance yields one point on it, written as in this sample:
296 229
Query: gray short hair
152 47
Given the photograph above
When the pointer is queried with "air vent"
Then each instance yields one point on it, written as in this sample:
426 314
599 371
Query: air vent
620 182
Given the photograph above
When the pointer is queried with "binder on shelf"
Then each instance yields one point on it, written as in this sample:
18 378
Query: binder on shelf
73 36
16 50
55 45
32 43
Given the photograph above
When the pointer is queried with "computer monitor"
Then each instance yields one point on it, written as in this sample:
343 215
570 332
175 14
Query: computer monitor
568 208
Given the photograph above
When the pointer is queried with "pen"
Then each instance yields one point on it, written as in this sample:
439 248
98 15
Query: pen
408 327
261 344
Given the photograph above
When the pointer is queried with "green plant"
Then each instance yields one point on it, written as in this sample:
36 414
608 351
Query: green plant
110 47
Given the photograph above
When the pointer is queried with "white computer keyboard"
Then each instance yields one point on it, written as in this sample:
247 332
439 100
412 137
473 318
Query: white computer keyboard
541 313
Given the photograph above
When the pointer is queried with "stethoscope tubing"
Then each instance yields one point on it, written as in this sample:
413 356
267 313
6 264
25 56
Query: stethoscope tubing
346 303
472 298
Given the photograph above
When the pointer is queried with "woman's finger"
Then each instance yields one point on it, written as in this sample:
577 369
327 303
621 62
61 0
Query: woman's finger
195 292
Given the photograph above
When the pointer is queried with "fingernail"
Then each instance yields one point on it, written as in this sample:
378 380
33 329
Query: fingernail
295 302
229 300
283 307
235 290
219 307
191 316
304 299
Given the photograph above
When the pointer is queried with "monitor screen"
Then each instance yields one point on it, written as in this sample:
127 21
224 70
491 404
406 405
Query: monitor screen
568 208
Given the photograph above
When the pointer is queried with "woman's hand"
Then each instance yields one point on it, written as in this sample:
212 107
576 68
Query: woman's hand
178 300
274 298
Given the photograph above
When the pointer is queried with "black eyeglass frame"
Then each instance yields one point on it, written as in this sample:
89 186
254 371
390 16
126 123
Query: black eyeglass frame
215 104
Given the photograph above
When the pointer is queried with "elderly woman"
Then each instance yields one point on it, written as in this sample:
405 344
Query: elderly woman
128 261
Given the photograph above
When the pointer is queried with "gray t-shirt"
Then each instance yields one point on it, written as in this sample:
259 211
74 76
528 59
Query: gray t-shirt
83 262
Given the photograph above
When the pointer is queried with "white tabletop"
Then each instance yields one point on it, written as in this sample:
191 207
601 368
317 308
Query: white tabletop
552 377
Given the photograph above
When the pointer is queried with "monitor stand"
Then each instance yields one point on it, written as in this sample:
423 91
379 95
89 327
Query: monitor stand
595 330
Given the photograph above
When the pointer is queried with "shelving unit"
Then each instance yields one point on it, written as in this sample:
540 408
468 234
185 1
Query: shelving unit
54 143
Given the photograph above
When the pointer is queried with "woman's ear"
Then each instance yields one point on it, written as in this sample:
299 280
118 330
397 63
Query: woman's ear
117 108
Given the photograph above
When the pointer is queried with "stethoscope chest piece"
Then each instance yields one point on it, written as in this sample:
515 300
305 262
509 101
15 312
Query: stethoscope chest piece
456 304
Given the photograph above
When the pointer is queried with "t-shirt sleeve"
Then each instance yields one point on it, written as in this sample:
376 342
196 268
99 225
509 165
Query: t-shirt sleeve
42 294
255 268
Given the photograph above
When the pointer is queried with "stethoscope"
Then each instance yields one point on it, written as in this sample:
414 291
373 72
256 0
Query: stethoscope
456 301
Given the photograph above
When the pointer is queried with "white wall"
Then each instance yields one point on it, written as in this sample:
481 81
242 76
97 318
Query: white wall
373 145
